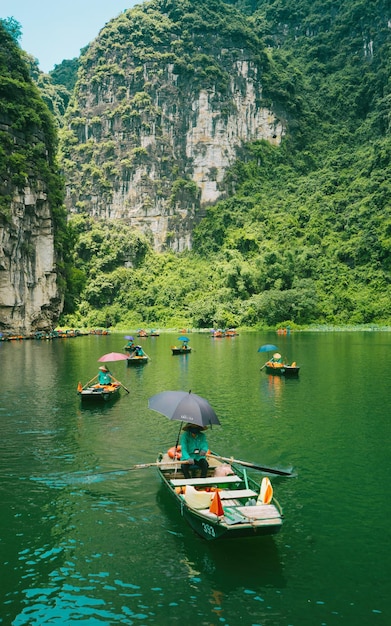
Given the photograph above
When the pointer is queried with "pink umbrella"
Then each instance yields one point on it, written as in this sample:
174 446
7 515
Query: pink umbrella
113 356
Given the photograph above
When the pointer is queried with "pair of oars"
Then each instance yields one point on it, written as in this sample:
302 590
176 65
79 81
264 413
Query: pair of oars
261 468
115 380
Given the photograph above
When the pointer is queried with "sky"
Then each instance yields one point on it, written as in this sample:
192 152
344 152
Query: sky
54 30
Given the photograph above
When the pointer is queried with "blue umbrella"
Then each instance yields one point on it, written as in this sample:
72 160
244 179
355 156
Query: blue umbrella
268 347
129 337
183 338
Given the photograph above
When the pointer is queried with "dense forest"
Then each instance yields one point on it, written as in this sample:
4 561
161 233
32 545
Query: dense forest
304 234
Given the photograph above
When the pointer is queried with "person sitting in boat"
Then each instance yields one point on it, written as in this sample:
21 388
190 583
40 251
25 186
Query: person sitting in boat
276 358
139 351
194 448
104 376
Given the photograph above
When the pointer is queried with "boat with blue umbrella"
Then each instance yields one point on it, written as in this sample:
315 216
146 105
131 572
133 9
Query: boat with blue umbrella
184 348
276 365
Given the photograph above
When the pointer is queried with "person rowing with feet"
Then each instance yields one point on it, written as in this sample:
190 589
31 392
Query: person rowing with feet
104 376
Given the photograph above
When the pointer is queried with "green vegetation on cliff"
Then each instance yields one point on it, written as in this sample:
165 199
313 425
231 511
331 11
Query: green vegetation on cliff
28 141
305 235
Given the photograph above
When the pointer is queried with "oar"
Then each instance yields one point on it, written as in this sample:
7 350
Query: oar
89 383
119 382
261 468
264 365
139 466
126 389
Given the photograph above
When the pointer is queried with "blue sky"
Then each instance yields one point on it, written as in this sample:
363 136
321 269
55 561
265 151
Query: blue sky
54 30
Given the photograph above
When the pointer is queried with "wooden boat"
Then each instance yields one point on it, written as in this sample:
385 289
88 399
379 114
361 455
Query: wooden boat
137 359
281 369
217 334
142 333
99 393
241 508
181 350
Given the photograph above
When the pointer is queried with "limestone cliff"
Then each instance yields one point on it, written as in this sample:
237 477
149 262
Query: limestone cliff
29 294
30 201
167 96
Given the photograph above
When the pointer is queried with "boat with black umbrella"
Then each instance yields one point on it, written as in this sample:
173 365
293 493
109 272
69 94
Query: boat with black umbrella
226 503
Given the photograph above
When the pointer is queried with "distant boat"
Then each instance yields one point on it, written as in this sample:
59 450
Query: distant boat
137 356
217 334
135 359
183 350
231 332
142 333
281 369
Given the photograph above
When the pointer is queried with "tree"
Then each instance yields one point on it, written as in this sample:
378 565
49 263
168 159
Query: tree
13 28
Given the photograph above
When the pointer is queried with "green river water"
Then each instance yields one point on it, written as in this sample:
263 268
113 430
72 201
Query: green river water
87 548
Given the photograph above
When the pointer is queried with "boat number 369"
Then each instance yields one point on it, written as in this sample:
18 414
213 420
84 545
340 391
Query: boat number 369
208 530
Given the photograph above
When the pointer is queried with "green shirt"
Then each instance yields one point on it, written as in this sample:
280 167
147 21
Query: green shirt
190 443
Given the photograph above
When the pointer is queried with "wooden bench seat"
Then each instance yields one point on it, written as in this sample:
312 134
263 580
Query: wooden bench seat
260 515
208 481
232 494
260 512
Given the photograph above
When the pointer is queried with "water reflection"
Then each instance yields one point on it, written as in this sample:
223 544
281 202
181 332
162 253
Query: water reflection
98 406
224 565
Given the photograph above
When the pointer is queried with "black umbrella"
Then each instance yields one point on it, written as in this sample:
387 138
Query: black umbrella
184 406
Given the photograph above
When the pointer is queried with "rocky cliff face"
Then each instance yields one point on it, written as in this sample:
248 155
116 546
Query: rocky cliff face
29 294
30 201
165 102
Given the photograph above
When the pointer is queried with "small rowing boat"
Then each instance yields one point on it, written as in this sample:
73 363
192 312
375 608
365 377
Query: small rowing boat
137 359
282 369
181 350
137 356
100 393
226 504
